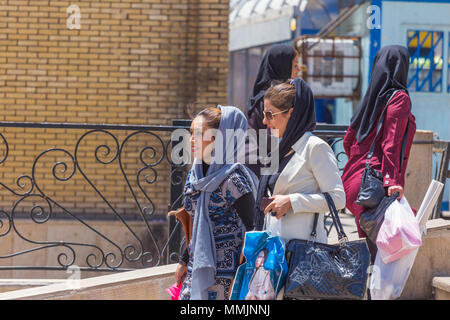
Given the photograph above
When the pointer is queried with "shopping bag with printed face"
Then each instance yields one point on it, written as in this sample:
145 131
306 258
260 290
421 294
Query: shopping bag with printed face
264 271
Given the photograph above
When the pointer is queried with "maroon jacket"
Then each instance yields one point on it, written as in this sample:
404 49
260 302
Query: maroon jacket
386 156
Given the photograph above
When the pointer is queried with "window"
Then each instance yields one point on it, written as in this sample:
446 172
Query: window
426 60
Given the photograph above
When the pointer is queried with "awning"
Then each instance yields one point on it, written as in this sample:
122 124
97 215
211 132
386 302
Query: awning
260 22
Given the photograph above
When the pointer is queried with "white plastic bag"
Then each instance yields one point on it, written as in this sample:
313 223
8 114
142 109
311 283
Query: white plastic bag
399 233
388 279
272 225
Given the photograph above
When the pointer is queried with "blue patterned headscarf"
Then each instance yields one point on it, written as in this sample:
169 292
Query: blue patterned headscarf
202 244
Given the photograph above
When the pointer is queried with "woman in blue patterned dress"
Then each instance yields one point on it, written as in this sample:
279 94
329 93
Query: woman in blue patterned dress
220 197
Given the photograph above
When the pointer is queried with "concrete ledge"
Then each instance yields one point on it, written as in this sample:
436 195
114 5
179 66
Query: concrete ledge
432 260
442 283
17 284
142 284
441 288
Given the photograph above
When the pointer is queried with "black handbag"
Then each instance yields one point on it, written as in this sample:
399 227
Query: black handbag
322 271
372 190
371 220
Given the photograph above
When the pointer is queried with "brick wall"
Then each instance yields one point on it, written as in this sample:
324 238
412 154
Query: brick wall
131 62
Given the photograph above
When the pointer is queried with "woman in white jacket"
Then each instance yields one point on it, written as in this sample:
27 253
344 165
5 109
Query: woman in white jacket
307 166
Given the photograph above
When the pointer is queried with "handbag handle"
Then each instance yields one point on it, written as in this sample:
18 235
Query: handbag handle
335 216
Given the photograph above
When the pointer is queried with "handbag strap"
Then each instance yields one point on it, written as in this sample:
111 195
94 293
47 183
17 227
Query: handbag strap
402 153
314 230
335 216
380 125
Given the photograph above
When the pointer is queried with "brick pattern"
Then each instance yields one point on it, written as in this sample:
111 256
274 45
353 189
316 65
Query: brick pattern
132 62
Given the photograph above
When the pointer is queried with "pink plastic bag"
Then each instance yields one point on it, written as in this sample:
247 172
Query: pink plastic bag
174 291
400 233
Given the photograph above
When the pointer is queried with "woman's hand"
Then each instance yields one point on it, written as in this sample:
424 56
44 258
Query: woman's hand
394 189
280 204
180 273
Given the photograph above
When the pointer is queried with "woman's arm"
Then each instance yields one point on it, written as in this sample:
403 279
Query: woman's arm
245 206
394 128
185 257
181 271
326 172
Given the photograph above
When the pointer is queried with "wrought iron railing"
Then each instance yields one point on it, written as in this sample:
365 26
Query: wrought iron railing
108 150
34 195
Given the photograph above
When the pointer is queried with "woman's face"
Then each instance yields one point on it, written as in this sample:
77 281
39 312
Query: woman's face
279 122
201 144
260 259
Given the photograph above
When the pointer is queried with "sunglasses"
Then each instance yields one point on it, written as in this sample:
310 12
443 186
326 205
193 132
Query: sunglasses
269 114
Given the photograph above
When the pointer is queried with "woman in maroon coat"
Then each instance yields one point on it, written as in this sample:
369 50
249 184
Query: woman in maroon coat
389 73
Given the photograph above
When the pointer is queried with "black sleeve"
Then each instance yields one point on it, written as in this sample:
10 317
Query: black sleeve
184 259
244 207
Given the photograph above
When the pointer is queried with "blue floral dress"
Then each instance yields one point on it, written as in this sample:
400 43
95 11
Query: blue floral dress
228 231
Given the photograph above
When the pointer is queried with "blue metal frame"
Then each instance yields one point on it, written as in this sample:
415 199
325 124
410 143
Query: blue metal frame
448 64
375 34
419 86
375 38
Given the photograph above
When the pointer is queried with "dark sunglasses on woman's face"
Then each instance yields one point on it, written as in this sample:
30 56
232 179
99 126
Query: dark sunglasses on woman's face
269 114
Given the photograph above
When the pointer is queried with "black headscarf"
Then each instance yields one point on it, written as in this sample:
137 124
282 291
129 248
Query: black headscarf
389 73
303 119
276 65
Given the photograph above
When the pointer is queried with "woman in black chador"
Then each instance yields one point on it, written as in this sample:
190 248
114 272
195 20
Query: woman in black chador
278 64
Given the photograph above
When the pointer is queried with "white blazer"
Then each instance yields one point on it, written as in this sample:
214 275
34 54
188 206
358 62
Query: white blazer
311 171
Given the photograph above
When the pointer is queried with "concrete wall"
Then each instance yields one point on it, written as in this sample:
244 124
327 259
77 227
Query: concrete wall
74 232
419 170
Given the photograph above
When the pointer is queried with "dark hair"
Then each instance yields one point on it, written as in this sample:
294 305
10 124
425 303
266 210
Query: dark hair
281 95
212 117
266 253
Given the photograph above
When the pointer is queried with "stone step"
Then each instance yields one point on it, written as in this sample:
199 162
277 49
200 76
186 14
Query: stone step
441 287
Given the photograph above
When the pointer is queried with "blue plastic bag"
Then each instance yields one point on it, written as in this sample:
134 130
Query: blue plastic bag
264 271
